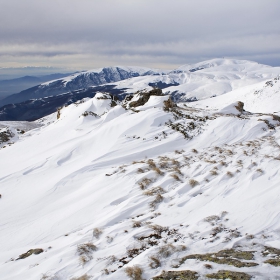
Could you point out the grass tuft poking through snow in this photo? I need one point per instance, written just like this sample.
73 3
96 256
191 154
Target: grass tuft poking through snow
134 272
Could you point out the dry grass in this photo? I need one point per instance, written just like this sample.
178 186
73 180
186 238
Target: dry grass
177 169
84 259
240 162
158 199
223 163
164 158
112 259
154 191
83 277
151 163
166 250
136 224
194 151
179 152
158 229
259 170
96 232
157 170
85 251
168 105
105 271
86 248
210 161
134 272
175 176
109 239
175 162
214 172
140 170
193 183
135 162
155 262
212 219
144 183
164 165
45 276
230 174
229 152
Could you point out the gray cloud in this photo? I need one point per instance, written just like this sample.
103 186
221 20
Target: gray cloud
164 33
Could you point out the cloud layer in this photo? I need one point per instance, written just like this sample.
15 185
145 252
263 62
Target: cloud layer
157 33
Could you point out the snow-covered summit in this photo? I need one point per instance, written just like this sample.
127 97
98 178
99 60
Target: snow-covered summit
222 63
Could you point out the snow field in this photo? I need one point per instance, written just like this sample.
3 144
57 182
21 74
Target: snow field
100 193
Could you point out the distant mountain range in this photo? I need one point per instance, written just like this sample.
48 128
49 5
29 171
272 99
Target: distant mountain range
12 86
77 81
187 83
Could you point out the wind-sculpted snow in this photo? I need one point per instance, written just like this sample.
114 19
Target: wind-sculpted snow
156 187
262 97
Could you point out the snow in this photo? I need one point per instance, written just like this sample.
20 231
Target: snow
262 97
217 77
76 173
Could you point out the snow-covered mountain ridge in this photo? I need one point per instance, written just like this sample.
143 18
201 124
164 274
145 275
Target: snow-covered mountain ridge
81 80
104 190
187 83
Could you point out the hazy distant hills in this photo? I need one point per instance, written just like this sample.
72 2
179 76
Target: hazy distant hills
12 86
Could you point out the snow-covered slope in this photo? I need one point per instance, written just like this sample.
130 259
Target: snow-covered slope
108 192
10 132
262 97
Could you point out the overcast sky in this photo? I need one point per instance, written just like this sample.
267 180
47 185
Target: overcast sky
84 34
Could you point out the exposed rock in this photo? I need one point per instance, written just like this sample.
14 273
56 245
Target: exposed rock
30 252
145 96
